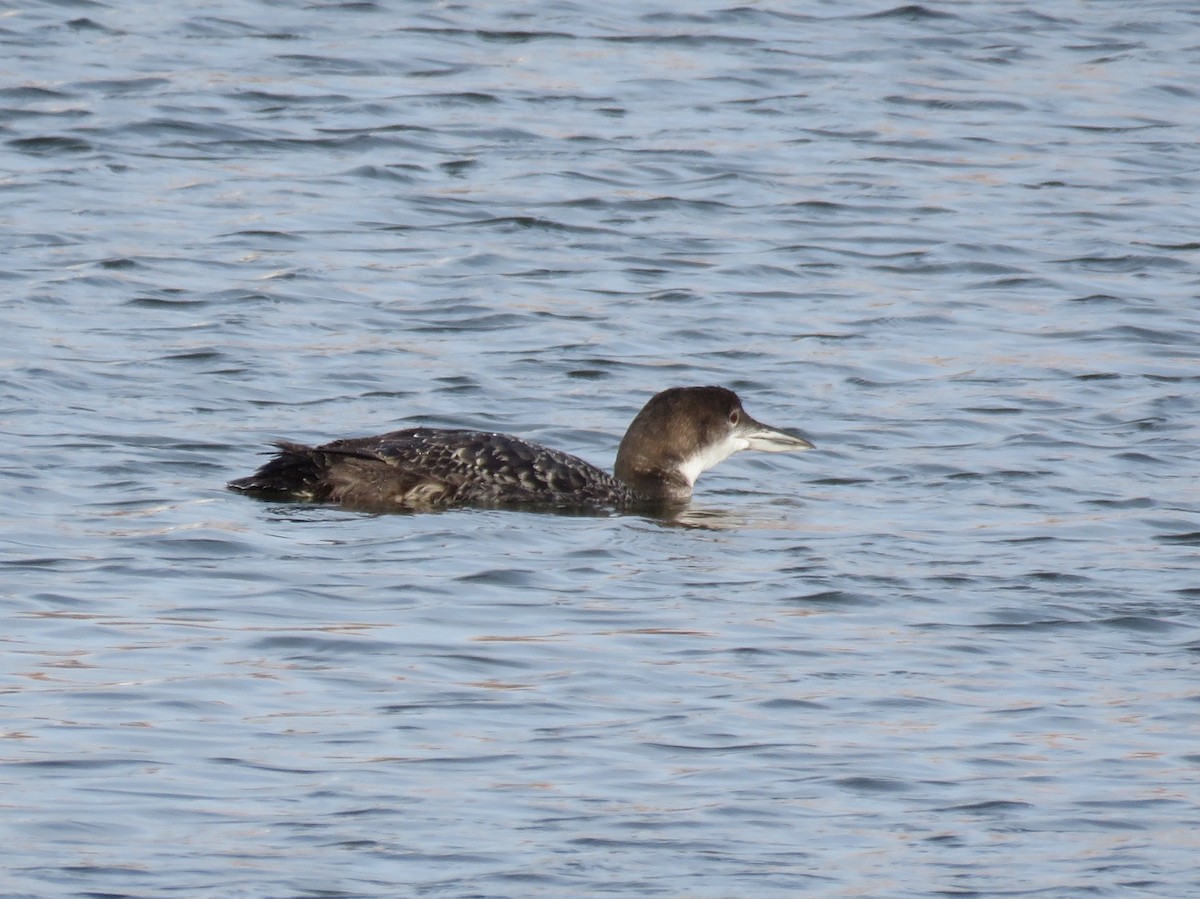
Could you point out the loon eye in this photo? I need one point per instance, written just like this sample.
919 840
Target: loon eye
735 417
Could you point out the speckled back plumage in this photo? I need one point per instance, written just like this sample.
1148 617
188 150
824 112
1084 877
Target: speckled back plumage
424 468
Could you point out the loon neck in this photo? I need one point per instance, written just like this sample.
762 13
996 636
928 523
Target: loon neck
651 481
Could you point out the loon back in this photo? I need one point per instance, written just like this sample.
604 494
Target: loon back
427 468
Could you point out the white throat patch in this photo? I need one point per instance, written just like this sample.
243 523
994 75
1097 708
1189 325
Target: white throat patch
710 456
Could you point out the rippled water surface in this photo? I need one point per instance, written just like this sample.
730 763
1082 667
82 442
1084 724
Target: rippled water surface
954 651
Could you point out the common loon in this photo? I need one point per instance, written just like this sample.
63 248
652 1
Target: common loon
679 433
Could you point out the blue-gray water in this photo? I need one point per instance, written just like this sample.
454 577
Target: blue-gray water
954 651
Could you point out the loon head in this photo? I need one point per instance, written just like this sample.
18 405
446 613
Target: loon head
684 431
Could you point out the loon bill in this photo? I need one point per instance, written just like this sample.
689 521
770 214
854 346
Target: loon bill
679 433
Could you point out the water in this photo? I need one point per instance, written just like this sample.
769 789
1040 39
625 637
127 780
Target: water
954 651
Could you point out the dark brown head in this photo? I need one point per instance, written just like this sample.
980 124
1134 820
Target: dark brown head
684 431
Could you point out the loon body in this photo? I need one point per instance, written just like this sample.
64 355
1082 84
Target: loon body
679 433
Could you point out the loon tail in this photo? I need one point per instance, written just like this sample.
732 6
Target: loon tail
297 472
